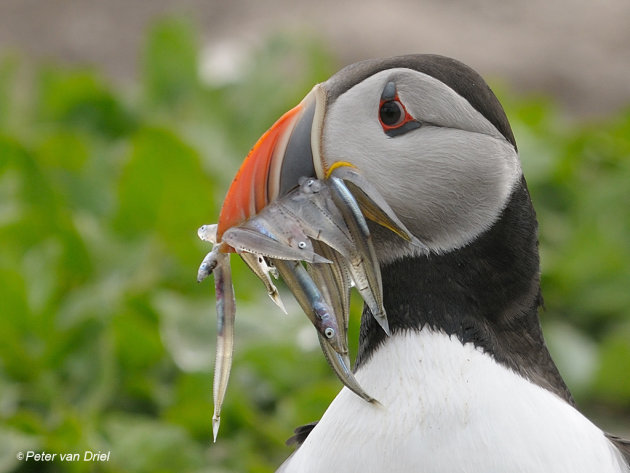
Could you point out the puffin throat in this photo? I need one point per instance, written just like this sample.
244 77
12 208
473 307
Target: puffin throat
486 293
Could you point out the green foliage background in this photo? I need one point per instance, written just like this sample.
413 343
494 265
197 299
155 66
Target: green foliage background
107 341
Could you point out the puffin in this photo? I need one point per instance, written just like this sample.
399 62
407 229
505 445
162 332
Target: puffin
463 377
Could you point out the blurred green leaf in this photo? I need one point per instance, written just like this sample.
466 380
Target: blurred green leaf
170 62
14 326
145 445
164 191
80 99
612 382
64 150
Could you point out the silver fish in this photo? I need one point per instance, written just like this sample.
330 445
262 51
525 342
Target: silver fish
341 366
208 264
373 205
311 205
321 225
208 233
274 223
312 302
226 311
334 282
244 239
331 215
371 286
258 265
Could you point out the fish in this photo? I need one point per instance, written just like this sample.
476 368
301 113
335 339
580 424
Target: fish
208 233
311 205
317 240
245 240
368 281
313 304
226 312
373 205
258 265
340 364
334 282
208 264
321 218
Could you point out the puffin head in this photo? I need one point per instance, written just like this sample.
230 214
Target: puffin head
426 134
425 130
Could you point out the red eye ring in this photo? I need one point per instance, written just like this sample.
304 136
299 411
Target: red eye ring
392 114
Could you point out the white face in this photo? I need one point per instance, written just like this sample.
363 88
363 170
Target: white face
447 180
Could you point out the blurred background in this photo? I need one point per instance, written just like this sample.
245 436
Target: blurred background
121 126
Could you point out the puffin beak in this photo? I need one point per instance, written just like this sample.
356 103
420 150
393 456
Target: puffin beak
284 207
287 151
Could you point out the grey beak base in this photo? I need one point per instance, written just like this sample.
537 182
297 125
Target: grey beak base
298 156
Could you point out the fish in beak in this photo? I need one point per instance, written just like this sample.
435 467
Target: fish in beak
289 213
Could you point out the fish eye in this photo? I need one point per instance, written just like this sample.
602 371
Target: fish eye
391 113
301 245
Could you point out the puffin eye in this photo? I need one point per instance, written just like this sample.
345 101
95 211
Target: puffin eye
394 117
391 113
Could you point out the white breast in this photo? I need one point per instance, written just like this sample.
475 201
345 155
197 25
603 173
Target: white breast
448 407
